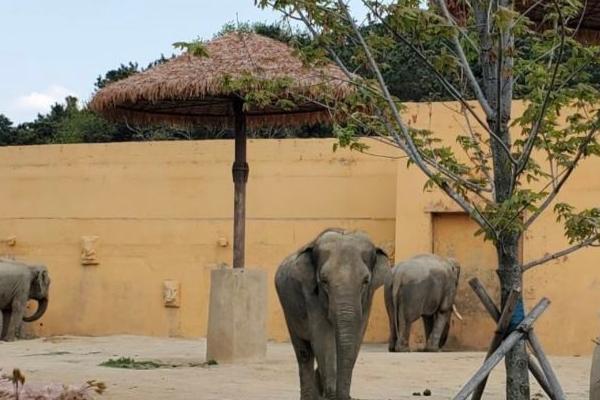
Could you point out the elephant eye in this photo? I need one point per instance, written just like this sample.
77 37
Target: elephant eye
324 282
366 281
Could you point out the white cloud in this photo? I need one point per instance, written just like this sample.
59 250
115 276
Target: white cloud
40 102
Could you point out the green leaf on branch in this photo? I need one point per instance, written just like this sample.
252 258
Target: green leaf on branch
195 48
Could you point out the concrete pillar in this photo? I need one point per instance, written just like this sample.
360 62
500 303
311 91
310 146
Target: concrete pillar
237 316
595 375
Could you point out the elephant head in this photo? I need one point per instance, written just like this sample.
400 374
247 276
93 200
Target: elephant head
343 270
40 285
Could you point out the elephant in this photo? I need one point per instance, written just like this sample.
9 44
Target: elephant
20 282
422 287
326 290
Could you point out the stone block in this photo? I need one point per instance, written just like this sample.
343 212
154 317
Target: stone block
237 318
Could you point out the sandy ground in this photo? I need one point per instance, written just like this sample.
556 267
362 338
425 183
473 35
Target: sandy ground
378 374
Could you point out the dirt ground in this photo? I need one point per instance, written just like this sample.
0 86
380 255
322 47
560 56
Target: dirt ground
378 374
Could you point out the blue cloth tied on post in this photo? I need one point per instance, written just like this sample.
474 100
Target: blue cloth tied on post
518 316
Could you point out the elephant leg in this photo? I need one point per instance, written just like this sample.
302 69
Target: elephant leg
15 318
389 307
306 367
325 352
3 322
428 321
402 345
440 322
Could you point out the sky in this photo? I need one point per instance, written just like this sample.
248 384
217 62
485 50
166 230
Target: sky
53 48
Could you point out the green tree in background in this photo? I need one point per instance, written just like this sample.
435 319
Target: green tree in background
405 76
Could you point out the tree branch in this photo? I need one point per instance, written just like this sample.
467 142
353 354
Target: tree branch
413 152
477 189
465 63
405 142
559 185
529 144
479 151
562 253
455 93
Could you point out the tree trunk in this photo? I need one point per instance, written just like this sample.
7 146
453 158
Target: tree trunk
511 276
496 58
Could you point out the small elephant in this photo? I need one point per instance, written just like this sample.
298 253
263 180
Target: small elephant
326 289
421 287
20 282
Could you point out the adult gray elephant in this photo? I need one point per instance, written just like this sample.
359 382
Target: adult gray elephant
421 287
20 282
326 289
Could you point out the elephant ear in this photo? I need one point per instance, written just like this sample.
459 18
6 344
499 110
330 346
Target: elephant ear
455 268
381 271
41 279
303 268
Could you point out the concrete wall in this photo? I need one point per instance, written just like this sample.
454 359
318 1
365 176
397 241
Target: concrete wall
162 211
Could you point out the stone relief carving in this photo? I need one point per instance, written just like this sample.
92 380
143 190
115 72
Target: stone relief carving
89 255
10 241
171 293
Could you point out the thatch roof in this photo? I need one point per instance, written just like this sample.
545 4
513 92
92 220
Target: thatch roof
197 90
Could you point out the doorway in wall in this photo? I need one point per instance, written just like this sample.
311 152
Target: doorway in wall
453 235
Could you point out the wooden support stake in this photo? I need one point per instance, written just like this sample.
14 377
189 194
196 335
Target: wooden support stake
493 311
536 346
539 376
511 340
501 331
240 172
488 303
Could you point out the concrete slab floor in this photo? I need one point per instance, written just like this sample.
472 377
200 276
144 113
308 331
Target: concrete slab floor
378 375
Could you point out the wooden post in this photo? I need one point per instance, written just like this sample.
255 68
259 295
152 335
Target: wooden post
539 376
491 308
511 340
501 331
488 303
545 364
240 172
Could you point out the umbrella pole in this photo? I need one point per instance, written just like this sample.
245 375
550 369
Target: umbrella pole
240 172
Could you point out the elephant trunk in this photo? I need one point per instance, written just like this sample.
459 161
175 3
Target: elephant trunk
42 306
444 336
348 322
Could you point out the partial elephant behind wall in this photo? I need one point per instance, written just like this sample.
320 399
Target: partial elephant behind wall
421 287
19 283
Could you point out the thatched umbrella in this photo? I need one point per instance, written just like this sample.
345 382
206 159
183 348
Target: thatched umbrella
209 90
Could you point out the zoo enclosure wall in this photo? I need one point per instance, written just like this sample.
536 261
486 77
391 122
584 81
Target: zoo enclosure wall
162 211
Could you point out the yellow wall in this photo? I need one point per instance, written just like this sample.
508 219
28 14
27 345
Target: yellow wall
572 283
161 208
